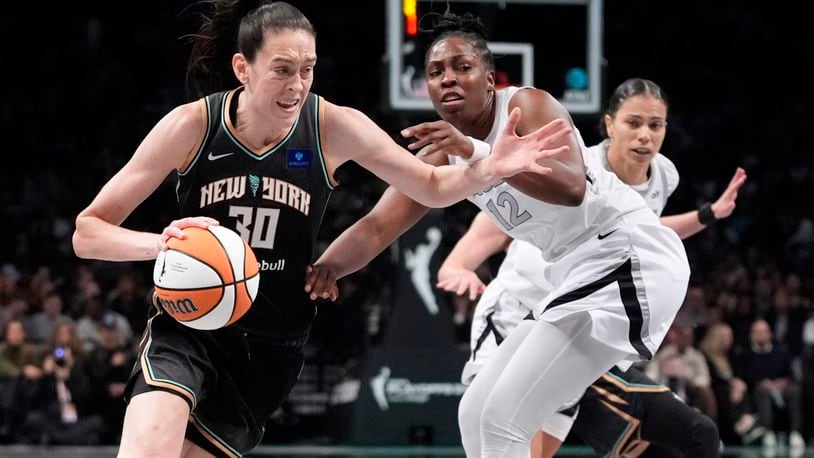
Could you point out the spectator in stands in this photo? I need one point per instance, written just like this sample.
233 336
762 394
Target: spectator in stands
735 422
88 327
129 298
109 368
19 360
766 369
53 409
684 369
9 276
17 355
15 310
786 319
693 312
41 325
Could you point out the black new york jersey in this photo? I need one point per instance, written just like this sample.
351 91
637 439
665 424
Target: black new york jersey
274 198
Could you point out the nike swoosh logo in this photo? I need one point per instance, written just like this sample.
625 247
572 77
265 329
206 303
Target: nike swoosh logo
213 157
602 236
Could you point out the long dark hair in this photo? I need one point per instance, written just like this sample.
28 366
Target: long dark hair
232 26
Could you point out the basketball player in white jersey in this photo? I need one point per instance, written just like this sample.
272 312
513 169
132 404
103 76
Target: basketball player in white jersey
635 125
608 256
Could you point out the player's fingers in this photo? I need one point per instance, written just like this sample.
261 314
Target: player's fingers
417 130
553 127
537 168
195 221
731 191
431 150
547 139
173 231
546 153
309 278
325 283
448 285
512 121
420 143
320 283
474 290
739 174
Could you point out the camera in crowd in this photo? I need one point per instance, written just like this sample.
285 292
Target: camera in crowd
59 357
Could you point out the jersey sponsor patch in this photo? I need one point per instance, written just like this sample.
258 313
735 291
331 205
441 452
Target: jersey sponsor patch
299 158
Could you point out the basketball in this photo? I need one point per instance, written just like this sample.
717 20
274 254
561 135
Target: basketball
207 280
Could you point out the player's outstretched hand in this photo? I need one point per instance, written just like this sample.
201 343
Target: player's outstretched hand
513 154
459 281
725 205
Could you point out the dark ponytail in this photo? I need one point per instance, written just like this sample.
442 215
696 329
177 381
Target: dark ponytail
232 26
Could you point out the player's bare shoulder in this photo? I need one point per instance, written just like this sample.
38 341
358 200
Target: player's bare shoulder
174 139
188 119
531 96
537 104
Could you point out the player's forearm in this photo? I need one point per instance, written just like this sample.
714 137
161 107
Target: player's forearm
470 252
482 240
97 239
355 248
684 224
394 214
450 184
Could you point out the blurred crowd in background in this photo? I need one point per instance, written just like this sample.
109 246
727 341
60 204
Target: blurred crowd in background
87 85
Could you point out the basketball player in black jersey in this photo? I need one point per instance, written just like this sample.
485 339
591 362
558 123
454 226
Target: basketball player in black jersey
257 157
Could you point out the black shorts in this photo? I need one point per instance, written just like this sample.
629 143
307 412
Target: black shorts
233 381
612 410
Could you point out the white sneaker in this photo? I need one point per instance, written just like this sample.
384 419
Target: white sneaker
797 446
770 443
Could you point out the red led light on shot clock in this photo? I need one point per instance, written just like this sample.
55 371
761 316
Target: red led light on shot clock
409 8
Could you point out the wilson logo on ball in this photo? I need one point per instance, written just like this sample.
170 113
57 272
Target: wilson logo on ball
208 279
178 307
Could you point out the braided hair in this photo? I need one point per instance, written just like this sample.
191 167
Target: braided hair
468 27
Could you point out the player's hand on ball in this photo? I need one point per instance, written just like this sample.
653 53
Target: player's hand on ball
176 227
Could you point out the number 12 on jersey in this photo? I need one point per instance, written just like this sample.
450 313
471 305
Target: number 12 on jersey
506 201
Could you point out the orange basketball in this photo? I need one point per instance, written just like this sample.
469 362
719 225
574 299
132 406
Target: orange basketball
207 280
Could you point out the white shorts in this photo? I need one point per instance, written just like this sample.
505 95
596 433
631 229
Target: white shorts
631 283
496 314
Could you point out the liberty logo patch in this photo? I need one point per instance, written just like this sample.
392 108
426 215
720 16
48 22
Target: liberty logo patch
299 158
254 184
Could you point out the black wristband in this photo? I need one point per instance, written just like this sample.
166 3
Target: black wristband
705 214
